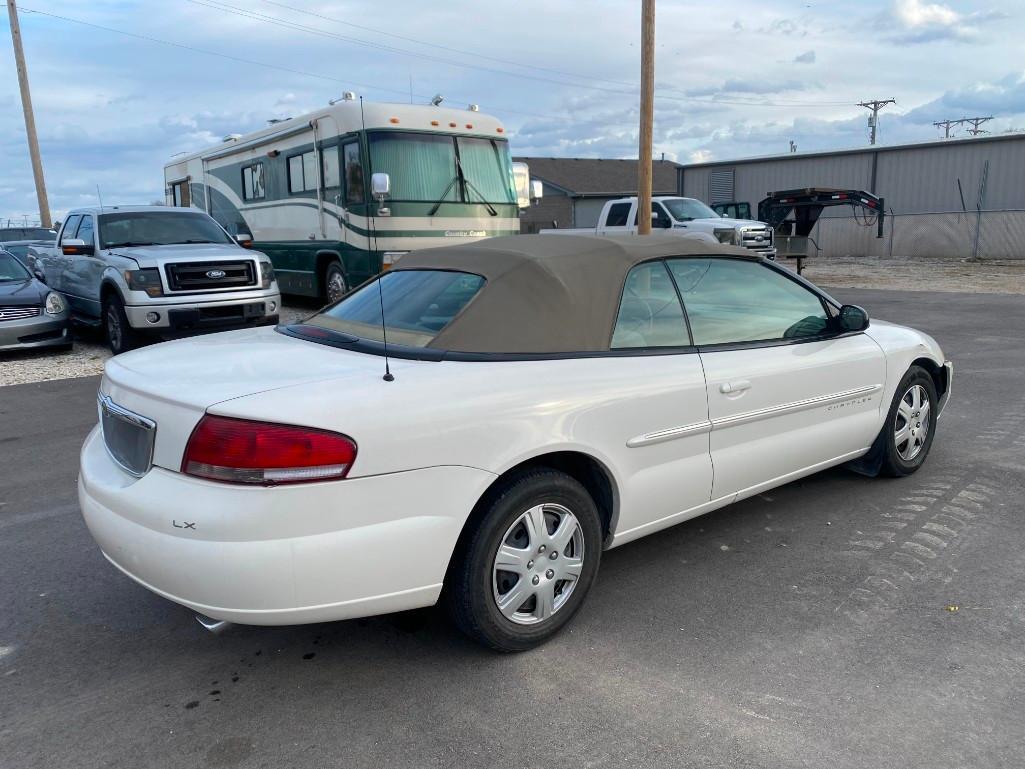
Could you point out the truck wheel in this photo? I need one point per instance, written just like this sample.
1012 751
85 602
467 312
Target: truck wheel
335 286
524 566
121 337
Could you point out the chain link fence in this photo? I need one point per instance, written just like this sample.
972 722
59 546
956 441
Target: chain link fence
994 234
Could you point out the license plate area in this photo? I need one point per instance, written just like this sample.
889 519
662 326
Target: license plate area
127 436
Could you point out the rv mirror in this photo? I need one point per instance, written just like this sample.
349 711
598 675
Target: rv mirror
537 189
380 185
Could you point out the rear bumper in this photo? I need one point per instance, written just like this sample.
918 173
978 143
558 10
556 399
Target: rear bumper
33 333
285 555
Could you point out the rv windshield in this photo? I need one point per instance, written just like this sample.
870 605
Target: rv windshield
423 167
685 209
163 228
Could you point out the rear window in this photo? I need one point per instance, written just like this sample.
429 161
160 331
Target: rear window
418 304
27 233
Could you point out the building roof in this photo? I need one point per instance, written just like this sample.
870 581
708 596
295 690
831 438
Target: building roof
931 144
590 177
547 294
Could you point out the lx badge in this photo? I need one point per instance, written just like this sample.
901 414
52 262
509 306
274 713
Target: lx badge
183 525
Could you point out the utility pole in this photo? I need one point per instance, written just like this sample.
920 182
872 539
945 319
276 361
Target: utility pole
975 123
30 120
946 125
875 106
644 150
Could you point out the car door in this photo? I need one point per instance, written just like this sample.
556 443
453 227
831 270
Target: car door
787 392
664 460
54 263
83 272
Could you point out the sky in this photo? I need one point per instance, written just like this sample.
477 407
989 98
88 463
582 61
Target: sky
733 79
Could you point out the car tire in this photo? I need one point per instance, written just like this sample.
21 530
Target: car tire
910 424
335 285
484 599
121 337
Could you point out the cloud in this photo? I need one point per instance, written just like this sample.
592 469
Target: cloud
917 21
808 57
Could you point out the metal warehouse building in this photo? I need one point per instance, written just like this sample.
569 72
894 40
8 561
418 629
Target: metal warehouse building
953 198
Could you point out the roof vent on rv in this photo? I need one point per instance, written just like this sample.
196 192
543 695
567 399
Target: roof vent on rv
438 99
276 120
473 107
232 138
347 96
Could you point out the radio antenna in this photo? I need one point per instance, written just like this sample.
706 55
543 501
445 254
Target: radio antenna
380 290
98 195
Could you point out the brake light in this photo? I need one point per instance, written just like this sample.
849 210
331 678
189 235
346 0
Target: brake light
242 451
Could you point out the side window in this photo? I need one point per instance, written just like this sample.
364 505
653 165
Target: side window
329 158
650 314
660 219
734 300
302 172
70 226
85 230
253 187
618 214
354 191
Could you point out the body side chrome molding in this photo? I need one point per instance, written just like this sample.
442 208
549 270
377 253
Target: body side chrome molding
672 433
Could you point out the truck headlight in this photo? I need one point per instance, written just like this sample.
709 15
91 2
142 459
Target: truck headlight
266 274
147 280
726 236
54 303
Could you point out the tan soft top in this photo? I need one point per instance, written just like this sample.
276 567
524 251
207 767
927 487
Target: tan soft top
548 293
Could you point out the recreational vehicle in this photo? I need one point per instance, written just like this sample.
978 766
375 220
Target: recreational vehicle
337 195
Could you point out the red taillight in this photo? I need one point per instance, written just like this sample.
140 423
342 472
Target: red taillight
240 451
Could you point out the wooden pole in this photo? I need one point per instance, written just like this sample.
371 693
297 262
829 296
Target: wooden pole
644 151
30 120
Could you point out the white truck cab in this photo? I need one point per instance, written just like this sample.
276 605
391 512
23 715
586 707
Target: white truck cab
156 270
684 216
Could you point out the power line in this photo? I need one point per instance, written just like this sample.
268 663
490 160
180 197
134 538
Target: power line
224 7
242 60
873 122
946 125
975 122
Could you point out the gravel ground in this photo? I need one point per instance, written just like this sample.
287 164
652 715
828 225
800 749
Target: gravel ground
918 274
87 358
906 274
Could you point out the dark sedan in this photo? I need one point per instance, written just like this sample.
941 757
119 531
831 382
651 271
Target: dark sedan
31 315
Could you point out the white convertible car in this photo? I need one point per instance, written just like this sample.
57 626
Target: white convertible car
481 422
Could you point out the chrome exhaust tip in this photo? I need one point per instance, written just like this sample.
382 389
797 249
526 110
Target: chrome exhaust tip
215 626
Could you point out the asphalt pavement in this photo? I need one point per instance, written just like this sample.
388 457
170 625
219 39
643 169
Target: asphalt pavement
838 621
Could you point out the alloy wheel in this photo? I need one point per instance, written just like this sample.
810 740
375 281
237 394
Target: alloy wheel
537 565
113 327
911 424
335 286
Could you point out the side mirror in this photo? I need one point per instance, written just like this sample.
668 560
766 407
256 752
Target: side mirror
380 186
39 275
76 247
244 239
853 318
537 189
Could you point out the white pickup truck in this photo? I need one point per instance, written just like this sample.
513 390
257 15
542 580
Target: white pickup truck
688 217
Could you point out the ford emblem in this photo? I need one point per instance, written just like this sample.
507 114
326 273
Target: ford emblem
215 274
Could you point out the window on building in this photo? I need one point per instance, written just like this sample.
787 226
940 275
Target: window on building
650 314
253 182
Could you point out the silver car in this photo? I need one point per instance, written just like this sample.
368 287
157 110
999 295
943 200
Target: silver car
31 315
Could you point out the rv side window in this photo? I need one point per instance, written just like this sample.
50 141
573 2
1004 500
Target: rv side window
302 173
330 171
354 192
618 214
252 182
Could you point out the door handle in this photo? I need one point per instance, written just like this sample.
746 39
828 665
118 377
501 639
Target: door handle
736 386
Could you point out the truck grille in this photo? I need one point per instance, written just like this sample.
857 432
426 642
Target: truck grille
757 238
209 276
127 436
19 313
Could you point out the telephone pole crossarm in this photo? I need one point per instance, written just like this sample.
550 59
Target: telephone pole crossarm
875 106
